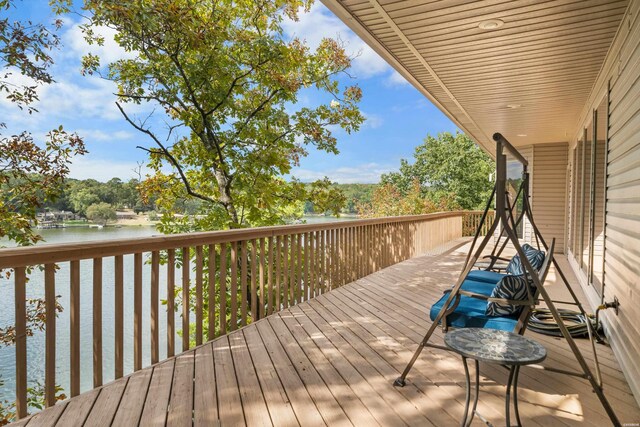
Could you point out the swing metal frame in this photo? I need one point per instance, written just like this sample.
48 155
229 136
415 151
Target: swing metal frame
504 216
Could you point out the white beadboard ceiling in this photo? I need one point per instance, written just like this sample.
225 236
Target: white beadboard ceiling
544 59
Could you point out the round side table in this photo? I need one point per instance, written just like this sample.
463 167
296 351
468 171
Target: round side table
494 346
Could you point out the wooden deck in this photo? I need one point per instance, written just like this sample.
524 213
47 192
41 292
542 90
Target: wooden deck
331 361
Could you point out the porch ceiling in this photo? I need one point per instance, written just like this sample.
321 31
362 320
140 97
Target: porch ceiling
544 59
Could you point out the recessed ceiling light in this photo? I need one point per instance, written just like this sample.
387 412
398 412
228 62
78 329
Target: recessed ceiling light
491 24
522 134
514 106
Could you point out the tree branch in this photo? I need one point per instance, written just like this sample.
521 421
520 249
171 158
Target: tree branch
166 154
260 107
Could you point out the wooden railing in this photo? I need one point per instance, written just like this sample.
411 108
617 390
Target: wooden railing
471 221
230 279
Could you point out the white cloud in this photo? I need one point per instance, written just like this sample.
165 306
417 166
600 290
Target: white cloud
320 23
76 46
372 121
82 97
101 135
104 170
396 79
360 174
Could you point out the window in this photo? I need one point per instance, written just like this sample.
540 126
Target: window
588 176
599 194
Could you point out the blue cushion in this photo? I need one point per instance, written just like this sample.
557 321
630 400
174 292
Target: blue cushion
485 276
471 312
482 288
535 257
510 287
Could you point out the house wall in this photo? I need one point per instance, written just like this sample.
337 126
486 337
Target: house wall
549 191
620 79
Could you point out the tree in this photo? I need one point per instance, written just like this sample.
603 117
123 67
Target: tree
102 213
30 173
449 165
82 197
389 200
228 80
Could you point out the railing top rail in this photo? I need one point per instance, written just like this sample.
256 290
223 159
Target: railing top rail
52 253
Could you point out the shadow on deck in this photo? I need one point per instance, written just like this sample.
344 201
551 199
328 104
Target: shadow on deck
332 360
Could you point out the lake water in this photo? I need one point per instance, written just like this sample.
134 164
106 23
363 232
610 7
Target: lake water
35 289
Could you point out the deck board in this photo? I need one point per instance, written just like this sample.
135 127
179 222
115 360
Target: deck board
181 399
133 399
275 396
331 361
205 404
229 402
154 413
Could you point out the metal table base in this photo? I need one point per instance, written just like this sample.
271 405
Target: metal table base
514 370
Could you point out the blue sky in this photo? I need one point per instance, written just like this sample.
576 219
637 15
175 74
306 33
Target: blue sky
398 116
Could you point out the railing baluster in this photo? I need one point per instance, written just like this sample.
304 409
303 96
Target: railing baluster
211 333
342 240
285 272
311 254
75 328
137 311
322 254
270 277
307 237
186 256
119 315
292 270
171 302
254 282
234 286
329 260
353 265
300 278
50 337
262 281
154 301
97 322
20 281
223 289
199 314
278 250
243 283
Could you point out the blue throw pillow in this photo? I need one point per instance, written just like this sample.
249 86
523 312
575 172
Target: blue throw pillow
535 257
512 288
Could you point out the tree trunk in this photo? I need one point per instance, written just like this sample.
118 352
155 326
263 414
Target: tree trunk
224 186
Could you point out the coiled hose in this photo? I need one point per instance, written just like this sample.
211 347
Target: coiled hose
542 321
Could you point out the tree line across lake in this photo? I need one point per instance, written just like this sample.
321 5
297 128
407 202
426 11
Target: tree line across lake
78 196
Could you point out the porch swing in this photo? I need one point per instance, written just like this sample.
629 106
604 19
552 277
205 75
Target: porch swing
488 298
